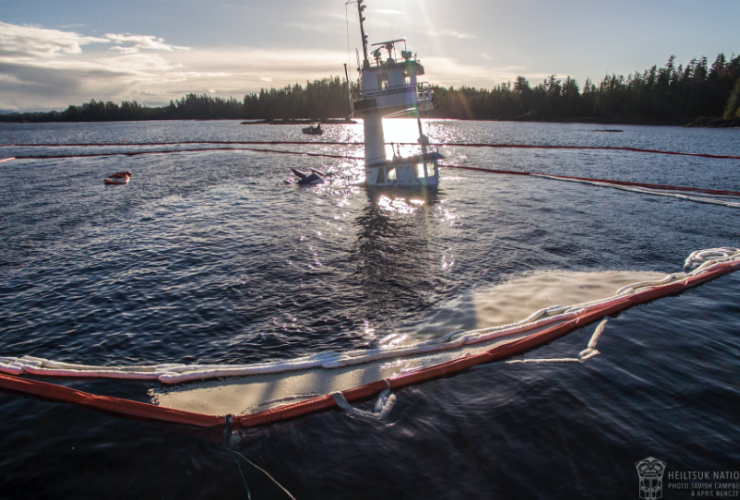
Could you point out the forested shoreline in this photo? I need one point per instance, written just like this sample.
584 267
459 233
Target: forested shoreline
699 93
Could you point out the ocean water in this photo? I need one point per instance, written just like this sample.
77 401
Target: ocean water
211 257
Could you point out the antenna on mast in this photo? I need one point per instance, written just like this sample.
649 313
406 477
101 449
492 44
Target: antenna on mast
360 7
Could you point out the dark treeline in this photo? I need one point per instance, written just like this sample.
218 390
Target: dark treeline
319 99
668 93
325 98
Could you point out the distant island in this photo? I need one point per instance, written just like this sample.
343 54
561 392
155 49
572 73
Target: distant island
697 95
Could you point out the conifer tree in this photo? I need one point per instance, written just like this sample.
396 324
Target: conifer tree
733 103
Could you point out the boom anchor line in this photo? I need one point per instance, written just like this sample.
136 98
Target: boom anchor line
345 143
538 329
637 187
586 354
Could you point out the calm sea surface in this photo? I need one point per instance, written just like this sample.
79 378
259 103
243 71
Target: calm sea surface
210 257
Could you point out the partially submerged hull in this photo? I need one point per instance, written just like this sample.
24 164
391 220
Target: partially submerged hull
389 87
413 172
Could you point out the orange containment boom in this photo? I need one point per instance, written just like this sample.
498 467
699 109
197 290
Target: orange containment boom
496 354
116 406
137 410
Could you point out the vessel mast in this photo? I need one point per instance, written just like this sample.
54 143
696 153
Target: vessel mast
360 8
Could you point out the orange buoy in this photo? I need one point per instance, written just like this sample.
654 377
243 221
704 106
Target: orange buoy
120 175
118 178
116 182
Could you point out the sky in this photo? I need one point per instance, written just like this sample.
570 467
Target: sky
54 53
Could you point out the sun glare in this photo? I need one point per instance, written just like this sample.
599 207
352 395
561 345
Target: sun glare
401 132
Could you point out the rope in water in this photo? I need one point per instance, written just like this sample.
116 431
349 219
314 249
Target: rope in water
634 187
621 186
177 373
169 151
593 148
717 192
249 494
604 182
383 405
585 180
586 354
341 143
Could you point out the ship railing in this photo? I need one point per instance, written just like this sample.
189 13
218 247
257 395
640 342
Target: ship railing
380 63
423 92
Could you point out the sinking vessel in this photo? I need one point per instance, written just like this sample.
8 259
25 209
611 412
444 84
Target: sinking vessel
390 87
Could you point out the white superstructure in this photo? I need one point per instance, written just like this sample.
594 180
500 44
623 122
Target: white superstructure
390 86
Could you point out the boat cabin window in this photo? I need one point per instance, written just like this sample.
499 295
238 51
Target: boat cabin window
382 81
406 77
419 171
391 174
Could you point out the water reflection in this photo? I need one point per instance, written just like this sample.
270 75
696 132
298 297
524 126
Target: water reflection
396 260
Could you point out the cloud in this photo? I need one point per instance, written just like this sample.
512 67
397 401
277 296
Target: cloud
44 68
48 69
446 72
307 27
134 43
9 78
36 42
32 41
202 74
39 87
457 34
389 11
139 64
318 27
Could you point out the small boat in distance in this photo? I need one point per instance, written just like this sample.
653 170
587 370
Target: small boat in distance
313 130
390 87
